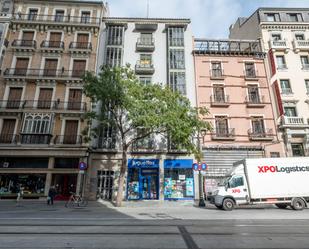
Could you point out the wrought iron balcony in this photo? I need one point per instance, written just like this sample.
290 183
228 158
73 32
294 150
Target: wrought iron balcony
68 140
144 67
253 100
80 47
35 138
143 145
224 134
12 104
220 100
216 74
59 19
70 106
145 45
107 143
9 139
52 46
262 134
300 45
24 44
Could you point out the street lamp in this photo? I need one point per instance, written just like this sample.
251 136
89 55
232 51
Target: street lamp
201 202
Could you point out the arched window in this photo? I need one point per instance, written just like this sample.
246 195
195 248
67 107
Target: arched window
37 123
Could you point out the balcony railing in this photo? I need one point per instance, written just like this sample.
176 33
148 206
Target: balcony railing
107 143
143 67
143 145
222 134
80 46
220 100
145 44
65 19
69 139
216 74
286 91
38 104
43 73
278 44
255 100
52 45
24 44
8 138
262 134
35 138
11 104
301 45
293 121
70 105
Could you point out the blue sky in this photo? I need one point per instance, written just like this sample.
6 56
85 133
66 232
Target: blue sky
210 18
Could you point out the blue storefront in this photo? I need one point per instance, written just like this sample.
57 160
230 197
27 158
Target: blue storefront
143 179
178 179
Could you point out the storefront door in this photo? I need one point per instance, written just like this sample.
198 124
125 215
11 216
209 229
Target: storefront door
149 185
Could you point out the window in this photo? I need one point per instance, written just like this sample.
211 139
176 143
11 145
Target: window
219 96
107 136
258 125
250 70
146 39
307 85
178 82
281 62
115 35
145 80
285 87
176 36
290 111
270 17
66 163
6 6
216 69
304 62
295 17
300 37
253 94
221 123
276 37
37 124
32 15
145 60
79 68
177 59
85 17
113 57
59 16
146 140
274 154
297 150
236 181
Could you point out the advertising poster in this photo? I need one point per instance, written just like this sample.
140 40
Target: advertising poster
168 187
189 187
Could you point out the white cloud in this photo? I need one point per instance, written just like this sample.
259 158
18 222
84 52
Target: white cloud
210 18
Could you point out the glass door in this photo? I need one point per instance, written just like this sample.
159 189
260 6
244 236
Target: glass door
149 186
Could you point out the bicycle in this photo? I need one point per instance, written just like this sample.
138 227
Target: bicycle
76 201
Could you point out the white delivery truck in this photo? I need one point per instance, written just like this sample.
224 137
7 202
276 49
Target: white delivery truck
280 181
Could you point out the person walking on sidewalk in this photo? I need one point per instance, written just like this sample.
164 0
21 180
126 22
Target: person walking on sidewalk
51 195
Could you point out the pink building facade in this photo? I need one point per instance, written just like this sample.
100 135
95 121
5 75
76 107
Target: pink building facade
231 81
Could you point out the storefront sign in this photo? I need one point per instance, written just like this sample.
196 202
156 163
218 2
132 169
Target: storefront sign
178 163
143 163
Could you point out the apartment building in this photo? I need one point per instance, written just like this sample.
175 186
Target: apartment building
231 82
6 10
42 126
160 51
284 37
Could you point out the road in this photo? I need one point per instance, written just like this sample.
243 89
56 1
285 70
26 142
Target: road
173 225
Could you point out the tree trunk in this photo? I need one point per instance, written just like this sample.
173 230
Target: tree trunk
122 175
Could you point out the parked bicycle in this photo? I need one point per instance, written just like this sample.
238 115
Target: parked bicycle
76 201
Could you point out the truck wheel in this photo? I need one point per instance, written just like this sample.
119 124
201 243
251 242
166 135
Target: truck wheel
298 204
228 204
281 205
219 206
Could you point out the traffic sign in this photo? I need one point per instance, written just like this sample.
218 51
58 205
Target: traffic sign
195 166
199 167
82 166
203 166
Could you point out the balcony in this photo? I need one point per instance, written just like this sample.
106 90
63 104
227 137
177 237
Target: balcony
216 74
293 122
52 46
56 19
80 47
263 135
143 67
107 143
68 140
43 74
35 138
224 134
300 45
286 91
6 139
70 106
251 74
145 45
24 45
13 105
218 100
144 145
279 45
255 101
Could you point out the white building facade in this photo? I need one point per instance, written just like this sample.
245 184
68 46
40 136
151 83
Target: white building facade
160 51
284 35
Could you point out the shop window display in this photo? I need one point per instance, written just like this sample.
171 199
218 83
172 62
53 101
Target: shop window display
178 183
30 184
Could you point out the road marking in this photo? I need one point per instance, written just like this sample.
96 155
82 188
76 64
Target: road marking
187 238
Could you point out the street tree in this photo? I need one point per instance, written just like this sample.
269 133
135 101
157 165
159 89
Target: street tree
127 105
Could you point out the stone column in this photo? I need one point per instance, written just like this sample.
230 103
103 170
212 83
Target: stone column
51 163
161 178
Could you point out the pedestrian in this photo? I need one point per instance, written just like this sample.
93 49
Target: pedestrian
20 192
51 195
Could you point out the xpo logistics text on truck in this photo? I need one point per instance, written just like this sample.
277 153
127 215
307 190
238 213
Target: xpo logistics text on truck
280 181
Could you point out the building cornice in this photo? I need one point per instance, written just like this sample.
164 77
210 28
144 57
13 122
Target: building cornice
146 20
265 25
